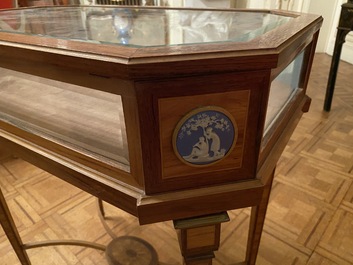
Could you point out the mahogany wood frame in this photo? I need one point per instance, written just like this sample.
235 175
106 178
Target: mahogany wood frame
129 71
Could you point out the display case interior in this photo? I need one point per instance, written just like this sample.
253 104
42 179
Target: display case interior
143 27
283 88
86 120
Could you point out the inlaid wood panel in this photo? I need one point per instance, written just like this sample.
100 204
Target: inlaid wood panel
309 220
240 94
172 110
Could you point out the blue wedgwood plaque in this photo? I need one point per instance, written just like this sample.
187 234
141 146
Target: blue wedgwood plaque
205 136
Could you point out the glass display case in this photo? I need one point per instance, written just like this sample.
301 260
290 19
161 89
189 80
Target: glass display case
164 112
91 121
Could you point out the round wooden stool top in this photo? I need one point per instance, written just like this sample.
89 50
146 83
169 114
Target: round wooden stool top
129 250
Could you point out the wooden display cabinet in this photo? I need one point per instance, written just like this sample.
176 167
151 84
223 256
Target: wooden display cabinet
165 113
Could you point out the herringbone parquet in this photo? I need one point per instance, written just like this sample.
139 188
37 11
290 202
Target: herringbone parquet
309 220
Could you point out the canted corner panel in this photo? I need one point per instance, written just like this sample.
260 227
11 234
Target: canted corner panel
203 133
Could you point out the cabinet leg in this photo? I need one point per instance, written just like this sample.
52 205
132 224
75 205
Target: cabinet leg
199 237
11 232
257 219
340 39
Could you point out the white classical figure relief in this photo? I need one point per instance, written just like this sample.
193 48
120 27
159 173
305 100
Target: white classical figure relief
216 142
199 150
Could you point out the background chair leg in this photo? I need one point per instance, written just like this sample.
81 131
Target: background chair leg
340 39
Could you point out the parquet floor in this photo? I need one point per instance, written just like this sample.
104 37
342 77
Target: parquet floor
309 220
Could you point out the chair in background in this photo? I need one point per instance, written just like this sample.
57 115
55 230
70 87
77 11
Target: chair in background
119 2
345 26
25 3
4 4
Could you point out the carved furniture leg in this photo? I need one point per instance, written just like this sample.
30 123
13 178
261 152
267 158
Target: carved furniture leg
199 237
345 25
257 219
11 232
340 39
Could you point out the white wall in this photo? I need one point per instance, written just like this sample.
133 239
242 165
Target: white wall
327 10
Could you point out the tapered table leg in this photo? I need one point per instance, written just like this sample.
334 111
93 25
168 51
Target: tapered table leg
340 39
199 237
257 219
345 25
11 232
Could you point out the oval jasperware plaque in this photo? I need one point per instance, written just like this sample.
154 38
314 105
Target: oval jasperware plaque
205 136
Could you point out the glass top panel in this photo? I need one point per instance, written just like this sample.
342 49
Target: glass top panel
139 27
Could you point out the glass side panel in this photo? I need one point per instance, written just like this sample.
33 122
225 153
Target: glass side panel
282 88
140 27
86 120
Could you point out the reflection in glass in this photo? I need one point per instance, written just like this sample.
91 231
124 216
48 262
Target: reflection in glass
86 120
140 26
283 87
122 22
